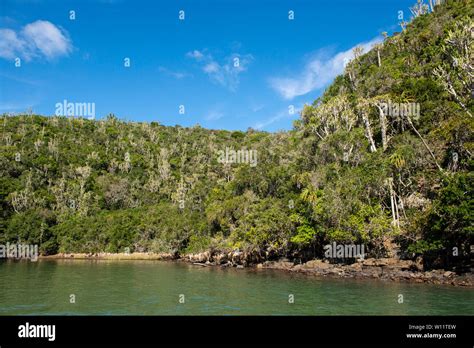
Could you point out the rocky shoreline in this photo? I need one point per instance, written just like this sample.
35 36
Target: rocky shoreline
384 269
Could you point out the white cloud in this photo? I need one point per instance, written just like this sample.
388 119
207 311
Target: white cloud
265 123
36 40
176 74
26 81
15 107
214 115
47 38
195 54
280 115
317 73
225 73
212 67
257 107
10 43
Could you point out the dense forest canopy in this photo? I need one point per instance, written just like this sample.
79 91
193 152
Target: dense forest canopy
383 158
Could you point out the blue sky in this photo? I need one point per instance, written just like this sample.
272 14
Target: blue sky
232 64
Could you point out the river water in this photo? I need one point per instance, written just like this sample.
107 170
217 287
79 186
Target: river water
101 287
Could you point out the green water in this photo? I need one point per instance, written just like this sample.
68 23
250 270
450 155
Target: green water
153 288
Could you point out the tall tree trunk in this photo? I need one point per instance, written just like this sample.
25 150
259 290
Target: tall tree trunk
368 131
424 143
397 213
393 202
452 91
431 5
383 126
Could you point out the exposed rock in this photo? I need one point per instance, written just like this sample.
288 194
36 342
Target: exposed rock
356 266
317 264
419 263
369 262
385 268
228 264
285 264
236 257
375 262
297 267
221 258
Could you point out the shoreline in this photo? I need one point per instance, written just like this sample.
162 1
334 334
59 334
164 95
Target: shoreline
110 256
383 269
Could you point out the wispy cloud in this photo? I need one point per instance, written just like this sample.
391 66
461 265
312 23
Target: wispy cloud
16 107
195 54
257 107
317 73
176 74
214 115
280 115
225 73
26 81
40 39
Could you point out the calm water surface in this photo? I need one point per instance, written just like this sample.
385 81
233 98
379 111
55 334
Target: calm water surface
153 288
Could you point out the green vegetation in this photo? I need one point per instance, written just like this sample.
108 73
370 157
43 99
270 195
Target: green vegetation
349 171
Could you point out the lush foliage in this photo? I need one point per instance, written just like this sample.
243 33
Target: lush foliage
347 172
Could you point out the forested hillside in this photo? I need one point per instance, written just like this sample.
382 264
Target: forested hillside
383 158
